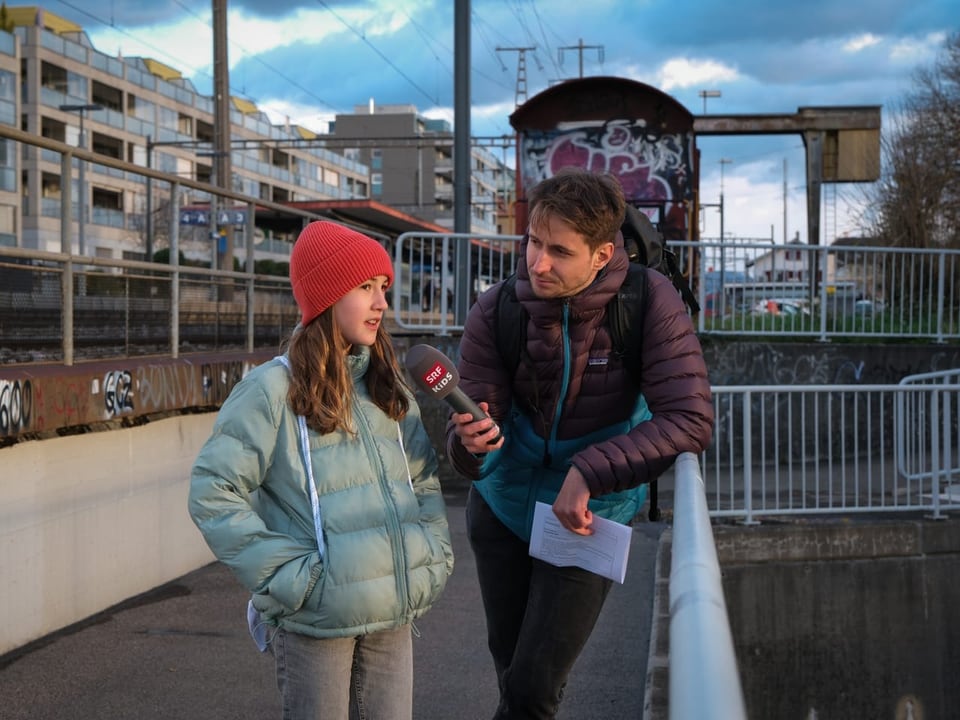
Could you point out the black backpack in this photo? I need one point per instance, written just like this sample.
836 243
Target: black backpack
645 247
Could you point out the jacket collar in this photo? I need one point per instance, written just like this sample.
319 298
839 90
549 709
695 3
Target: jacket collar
358 360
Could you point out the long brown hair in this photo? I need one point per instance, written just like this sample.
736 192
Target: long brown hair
321 388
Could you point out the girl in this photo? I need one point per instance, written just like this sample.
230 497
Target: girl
318 487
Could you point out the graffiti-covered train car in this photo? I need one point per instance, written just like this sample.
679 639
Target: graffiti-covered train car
626 128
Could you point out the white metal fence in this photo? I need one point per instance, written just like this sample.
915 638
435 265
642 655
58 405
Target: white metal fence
927 449
834 449
781 450
760 289
438 276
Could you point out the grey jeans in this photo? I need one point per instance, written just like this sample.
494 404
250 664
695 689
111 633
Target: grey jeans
368 677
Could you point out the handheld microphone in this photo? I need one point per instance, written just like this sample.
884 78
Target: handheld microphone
436 375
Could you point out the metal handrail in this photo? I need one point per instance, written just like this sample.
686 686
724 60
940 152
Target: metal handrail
701 644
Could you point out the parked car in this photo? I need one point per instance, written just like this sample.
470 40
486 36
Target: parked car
866 308
780 306
712 288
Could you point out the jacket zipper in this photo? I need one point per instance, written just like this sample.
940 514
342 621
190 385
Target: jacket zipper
393 519
564 385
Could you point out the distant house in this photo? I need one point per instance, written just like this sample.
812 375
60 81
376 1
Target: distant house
860 260
789 263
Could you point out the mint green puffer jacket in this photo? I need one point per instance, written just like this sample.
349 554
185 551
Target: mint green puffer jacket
388 552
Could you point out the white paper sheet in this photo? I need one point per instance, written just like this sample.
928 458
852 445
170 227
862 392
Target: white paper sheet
605 552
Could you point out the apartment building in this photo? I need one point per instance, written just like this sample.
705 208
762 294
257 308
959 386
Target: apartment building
9 114
144 112
411 166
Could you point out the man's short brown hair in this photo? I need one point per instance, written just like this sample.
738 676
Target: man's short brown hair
591 203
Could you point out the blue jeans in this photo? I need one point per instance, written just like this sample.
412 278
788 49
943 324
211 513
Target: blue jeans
368 677
539 616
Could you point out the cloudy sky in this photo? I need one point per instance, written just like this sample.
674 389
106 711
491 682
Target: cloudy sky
309 60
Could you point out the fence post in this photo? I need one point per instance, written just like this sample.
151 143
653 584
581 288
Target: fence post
174 261
823 266
936 466
445 271
250 265
747 459
941 296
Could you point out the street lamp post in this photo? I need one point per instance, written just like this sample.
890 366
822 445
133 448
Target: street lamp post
148 214
723 293
81 109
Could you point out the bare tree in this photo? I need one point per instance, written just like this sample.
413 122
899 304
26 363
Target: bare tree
916 202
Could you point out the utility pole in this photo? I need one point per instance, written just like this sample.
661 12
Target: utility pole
521 93
784 201
580 47
461 151
708 94
221 128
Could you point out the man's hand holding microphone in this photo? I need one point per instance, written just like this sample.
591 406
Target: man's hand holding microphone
435 375
478 436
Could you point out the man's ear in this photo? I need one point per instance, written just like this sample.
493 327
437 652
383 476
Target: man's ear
602 255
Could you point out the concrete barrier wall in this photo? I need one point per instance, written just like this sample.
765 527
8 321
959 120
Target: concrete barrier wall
87 521
845 619
747 362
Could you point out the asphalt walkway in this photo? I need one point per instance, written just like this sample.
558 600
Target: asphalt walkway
182 651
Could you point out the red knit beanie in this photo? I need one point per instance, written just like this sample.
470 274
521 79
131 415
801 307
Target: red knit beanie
330 260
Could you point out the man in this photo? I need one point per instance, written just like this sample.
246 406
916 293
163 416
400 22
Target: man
578 431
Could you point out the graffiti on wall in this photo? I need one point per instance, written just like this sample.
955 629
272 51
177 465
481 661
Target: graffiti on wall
653 168
165 386
218 379
117 393
16 406
56 402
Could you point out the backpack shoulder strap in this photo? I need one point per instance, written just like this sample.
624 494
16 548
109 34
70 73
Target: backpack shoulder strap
510 335
509 323
671 268
625 316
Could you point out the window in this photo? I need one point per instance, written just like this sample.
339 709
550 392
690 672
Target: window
8 225
167 118
140 108
8 86
8 164
136 154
